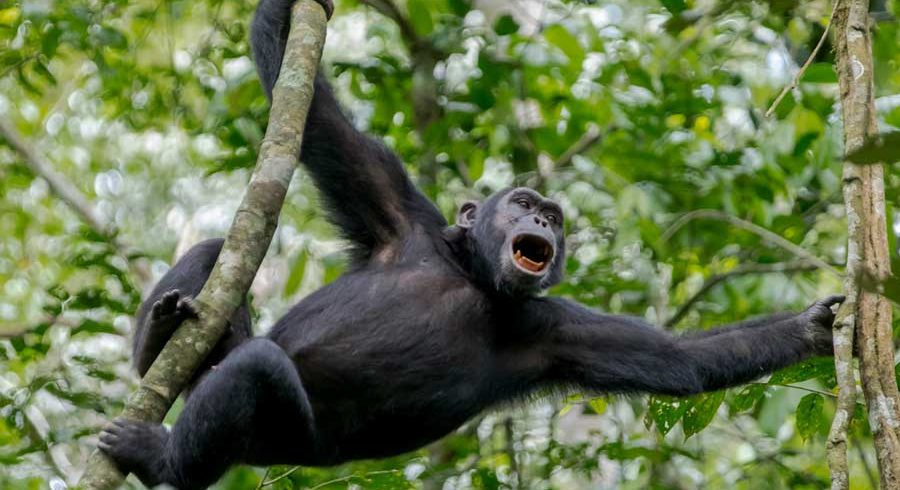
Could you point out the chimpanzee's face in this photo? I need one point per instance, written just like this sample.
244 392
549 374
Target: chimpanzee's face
518 237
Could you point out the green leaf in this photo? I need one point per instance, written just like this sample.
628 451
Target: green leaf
820 73
809 416
506 25
883 148
701 412
674 6
817 367
93 327
747 398
296 276
476 169
665 411
598 405
560 37
420 16
459 7
108 36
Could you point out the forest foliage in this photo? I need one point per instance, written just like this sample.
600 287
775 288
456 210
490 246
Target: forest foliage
686 205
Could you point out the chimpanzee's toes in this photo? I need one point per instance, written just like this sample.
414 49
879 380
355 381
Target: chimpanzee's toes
137 447
185 308
172 305
166 305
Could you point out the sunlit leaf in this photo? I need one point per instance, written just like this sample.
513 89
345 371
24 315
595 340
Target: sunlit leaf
420 16
701 411
665 412
560 37
809 417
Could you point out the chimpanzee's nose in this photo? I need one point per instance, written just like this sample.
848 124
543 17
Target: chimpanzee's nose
539 221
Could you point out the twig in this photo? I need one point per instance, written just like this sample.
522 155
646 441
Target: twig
592 136
812 56
802 388
350 477
263 479
745 225
388 9
870 475
264 482
741 270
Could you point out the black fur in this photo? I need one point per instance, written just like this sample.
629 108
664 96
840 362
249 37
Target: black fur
432 325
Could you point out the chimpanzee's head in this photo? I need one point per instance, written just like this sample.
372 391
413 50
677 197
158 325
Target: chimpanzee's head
515 238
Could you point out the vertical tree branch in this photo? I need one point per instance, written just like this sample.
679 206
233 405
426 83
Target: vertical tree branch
865 312
247 240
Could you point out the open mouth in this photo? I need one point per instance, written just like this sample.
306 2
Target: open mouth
532 253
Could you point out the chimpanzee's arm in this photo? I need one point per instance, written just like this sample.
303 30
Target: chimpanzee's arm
622 354
364 185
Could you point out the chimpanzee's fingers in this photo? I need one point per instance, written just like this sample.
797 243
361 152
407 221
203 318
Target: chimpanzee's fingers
832 300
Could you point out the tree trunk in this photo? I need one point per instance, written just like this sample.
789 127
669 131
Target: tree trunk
865 312
247 240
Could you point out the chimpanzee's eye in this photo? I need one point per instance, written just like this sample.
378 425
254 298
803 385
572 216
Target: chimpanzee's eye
553 219
524 203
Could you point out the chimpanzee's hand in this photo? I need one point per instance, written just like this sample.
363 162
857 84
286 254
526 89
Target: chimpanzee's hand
817 322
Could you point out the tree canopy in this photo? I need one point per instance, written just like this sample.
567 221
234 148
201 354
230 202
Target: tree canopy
128 132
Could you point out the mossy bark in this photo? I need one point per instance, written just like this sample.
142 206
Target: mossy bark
865 313
247 240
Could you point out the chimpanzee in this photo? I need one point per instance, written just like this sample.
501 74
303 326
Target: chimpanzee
431 324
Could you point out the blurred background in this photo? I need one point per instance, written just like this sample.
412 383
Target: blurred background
129 130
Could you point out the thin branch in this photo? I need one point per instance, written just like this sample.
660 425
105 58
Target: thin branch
745 225
57 182
265 483
246 243
870 475
350 477
388 9
591 137
741 270
801 388
812 56
263 479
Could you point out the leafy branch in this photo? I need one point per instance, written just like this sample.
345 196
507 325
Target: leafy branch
741 270
757 230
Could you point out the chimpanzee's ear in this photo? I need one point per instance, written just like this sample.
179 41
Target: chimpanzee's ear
465 218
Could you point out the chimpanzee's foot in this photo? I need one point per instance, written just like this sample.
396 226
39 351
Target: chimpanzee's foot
139 448
173 307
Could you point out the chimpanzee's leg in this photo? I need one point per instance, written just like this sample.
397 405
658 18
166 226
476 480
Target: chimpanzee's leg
251 409
168 305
